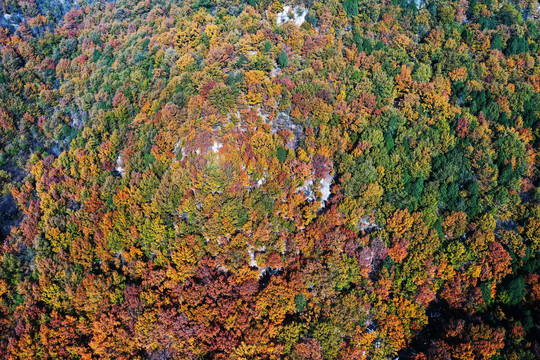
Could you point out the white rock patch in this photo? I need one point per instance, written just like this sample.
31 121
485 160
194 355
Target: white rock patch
307 189
252 261
119 166
325 188
299 15
216 147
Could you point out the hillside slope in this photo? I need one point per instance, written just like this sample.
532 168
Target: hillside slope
257 180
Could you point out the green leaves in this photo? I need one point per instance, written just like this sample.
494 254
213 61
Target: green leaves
283 59
301 302
281 154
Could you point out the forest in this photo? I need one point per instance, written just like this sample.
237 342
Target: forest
268 179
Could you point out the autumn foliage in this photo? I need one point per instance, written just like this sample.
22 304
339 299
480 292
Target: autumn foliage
264 180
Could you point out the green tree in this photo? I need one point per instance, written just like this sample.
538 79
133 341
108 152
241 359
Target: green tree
283 59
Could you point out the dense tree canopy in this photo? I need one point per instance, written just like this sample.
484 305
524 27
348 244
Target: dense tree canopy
261 179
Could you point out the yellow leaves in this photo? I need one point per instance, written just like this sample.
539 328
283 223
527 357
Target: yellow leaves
445 271
451 44
145 321
262 143
184 61
277 6
447 141
400 222
322 111
137 76
532 232
353 211
372 194
341 96
302 155
180 274
487 223
37 169
409 106
211 30
185 255
244 274
296 40
421 165
250 42
458 74
57 239
253 98
534 80
475 85
437 101
187 37
3 288
274 90
227 226
290 335
404 81
245 352
474 271
402 41
309 212
276 301
50 293
363 340
254 76
325 151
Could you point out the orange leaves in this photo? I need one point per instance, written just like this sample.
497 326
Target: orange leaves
188 36
57 238
254 97
459 74
393 329
262 143
184 61
400 222
455 224
372 194
6 120
200 229
93 203
497 264
262 234
398 252
276 300
122 196
404 81
532 232
254 76
466 341
253 81
535 81
111 339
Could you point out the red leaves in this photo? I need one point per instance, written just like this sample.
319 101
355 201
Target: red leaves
462 127
497 264
398 252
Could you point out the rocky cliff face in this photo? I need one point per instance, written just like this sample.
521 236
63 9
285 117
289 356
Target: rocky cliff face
15 13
